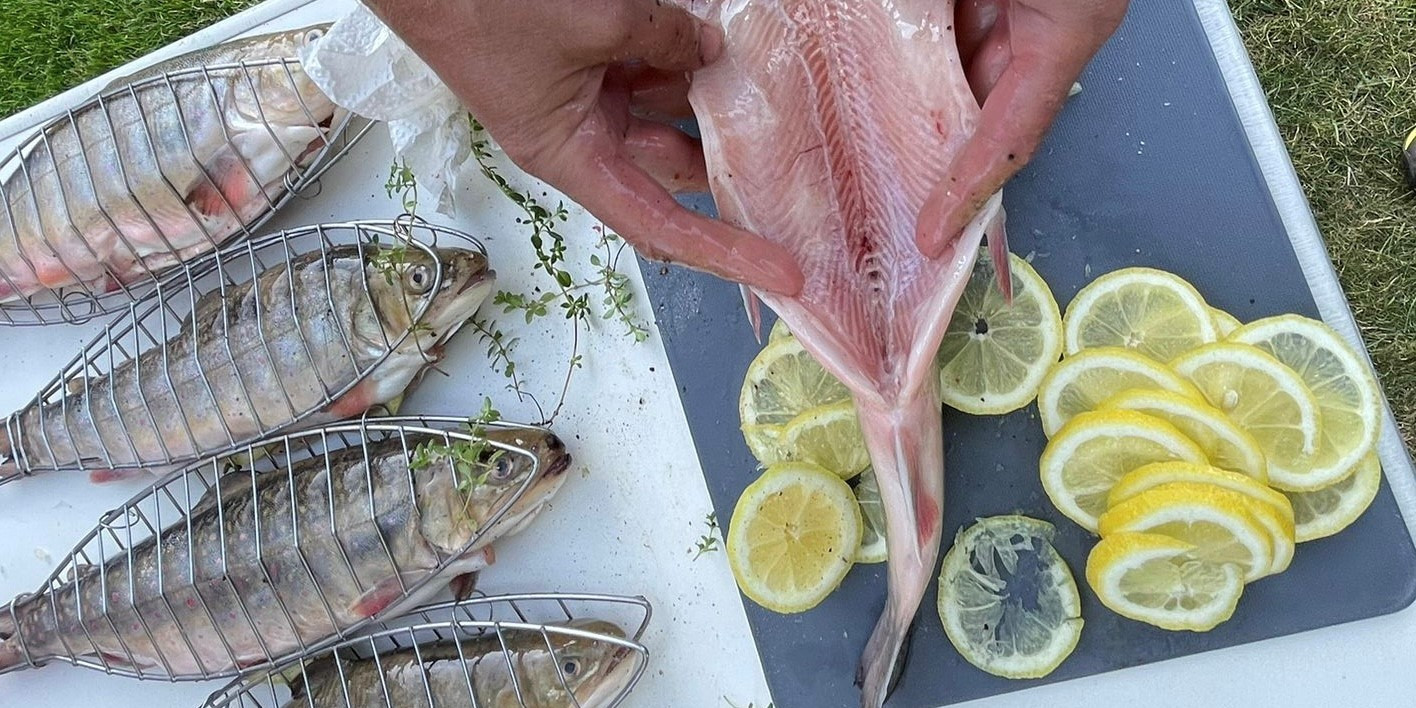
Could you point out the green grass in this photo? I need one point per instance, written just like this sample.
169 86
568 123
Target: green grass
1341 77
1340 74
47 46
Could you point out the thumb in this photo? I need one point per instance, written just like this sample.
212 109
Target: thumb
661 35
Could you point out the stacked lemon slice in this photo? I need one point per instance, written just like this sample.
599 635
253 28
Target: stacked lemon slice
1200 449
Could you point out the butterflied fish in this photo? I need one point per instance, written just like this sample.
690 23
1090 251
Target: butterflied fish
258 357
551 670
285 559
826 124
157 171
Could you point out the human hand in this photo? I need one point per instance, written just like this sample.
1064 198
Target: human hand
564 87
1021 58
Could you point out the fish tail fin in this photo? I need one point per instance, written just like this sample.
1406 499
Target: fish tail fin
998 252
906 445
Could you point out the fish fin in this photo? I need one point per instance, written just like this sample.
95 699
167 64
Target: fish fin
109 476
355 402
9 470
228 185
754 311
11 656
464 585
378 598
998 253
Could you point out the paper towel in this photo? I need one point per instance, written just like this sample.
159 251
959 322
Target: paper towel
364 67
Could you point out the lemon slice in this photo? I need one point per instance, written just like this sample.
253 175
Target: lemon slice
1080 383
1086 458
1157 580
872 512
1264 397
828 436
1271 509
793 536
782 382
1143 309
1007 599
1217 522
779 331
1342 383
994 355
1225 444
1324 512
1224 323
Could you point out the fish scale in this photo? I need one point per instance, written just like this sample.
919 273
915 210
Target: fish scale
332 527
330 325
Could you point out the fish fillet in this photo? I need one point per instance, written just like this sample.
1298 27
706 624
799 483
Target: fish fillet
826 123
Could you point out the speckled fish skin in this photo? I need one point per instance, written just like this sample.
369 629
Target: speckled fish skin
122 189
594 673
244 362
216 587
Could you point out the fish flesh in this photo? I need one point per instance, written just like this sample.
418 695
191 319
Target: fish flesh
553 670
267 564
160 169
826 124
258 357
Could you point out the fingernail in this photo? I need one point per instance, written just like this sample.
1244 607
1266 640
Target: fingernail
710 43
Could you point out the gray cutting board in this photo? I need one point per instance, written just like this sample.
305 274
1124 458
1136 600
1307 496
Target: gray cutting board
1149 165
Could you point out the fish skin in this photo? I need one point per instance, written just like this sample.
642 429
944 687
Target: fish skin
240 362
826 124
139 197
196 622
601 672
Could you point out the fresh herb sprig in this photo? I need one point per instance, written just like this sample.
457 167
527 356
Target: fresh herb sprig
708 543
471 461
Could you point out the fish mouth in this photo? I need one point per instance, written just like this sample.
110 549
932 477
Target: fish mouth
558 466
487 275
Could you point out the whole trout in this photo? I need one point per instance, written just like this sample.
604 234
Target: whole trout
276 565
551 671
157 172
256 358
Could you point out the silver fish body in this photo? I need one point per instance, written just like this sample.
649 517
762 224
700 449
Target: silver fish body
267 564
258 357
160 167
519 668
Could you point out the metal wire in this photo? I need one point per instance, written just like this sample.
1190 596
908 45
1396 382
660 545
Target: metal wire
464 626
246 562
196 368
117 189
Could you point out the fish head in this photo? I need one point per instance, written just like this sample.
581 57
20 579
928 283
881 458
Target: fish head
591 669
516 475
280 91
431 294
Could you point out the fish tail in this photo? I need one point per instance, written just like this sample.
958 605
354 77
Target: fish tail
753 305
906 445
997 232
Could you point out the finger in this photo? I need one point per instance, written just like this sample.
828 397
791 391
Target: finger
653 93
973 22
1016 116
673 158
989 60
636 207
660 34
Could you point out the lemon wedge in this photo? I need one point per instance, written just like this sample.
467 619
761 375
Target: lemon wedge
1081 382
1007 599
793 537
1081 464
1156 579
1145 310
994 355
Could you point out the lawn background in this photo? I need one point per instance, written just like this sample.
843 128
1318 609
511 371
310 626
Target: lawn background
1340 75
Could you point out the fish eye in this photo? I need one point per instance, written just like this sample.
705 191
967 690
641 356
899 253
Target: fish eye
571 667
313 36
420 279
504 470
